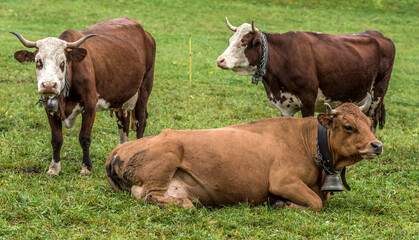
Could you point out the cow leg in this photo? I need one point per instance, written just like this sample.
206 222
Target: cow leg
294 190
167 201
377 111
88 118
152 173
56 142
161 201
141 113
308 106
122 120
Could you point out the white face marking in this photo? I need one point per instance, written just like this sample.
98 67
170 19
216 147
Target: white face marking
54 168
289 107
234 57
70 120
48 60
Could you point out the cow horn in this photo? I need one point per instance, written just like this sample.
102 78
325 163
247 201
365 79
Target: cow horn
329 109
25 42
77 43
232 28
253 27
366 103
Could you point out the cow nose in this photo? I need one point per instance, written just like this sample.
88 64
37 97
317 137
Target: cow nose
378 147
49 85
220 62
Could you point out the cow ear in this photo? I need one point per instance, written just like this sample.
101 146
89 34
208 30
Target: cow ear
257 40
326 120
25 56
77 54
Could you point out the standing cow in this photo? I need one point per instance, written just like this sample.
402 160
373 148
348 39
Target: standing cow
275 160
304 70
113 71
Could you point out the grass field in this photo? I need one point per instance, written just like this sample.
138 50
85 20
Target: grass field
382 205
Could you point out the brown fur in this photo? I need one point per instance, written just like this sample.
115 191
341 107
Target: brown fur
114 65
270 160
343 66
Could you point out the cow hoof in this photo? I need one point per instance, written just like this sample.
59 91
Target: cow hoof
84 171
54 168
186 203
280 204
197 204
52 173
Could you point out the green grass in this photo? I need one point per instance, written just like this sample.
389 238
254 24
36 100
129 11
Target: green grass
382 205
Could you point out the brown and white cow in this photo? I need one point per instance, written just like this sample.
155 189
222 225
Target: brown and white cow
113 71
304 70
270 160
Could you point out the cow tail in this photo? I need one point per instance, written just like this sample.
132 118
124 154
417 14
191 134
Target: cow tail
133 126
382 117
111 175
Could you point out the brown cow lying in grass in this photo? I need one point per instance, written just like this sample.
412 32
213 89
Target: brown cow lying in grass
270 160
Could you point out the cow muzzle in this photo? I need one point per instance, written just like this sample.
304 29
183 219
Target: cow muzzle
221 63
49 88
375 150
377 147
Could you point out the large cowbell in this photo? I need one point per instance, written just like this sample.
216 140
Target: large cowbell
52 104
332 184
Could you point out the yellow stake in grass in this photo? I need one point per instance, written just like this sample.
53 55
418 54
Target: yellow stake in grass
190 58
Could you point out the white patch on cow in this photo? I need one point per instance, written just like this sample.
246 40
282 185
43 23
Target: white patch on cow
51 55
234 57
136 122
54 168
374 105
84 171
321 99
70 120
123 136
176 190
289 107
102 105
137 191
130 104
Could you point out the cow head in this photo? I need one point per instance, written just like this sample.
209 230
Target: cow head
349 134
51 57
245 43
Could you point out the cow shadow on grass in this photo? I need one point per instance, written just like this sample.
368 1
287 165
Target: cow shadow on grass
355 205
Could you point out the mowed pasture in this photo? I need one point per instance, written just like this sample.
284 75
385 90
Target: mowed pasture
383 203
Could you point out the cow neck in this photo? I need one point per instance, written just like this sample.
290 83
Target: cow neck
66 90
323 158
261 70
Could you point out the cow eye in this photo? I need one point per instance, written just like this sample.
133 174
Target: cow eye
349 128
39 64
62 65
